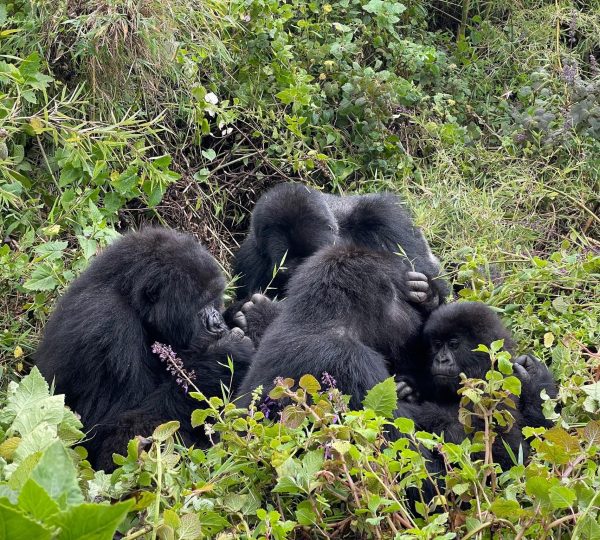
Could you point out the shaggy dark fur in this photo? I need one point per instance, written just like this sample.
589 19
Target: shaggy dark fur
154 285
451 333
348 313
294 221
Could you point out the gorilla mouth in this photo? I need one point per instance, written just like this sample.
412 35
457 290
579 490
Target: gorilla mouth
446 375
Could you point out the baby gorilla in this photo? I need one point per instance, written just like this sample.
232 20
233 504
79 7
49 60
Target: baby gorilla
292 221
451 333
154 285
348 313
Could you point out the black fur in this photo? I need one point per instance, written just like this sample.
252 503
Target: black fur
298 220
154 285
451 333
347 313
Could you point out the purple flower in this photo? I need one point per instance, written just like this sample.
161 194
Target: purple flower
594 68
572 28
267 406
174 365
328 452
569 72
328 380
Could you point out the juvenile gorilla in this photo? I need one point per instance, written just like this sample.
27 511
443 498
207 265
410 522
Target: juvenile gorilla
154 285
451 333
294 221
348 313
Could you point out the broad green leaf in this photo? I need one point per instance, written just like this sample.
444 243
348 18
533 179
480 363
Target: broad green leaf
189 527
164 431
91 521
56 474
504 508
561 497
309 383
305 514
34 500
211 522
292 416
404 425
16 526
513 385
382 398
42 279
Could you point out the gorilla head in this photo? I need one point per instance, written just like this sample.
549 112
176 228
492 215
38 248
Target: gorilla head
451 333
172 283
289 222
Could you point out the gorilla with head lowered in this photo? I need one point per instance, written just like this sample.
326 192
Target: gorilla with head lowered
292 221
451 334
151 286
350 312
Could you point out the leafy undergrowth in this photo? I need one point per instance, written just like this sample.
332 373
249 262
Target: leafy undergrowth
484 116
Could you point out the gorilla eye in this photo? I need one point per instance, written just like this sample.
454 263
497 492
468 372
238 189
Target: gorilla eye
437 343
453 343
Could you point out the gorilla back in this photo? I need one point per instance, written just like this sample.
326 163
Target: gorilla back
154 285
348 314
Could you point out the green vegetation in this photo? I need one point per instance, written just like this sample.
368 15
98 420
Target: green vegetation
483 115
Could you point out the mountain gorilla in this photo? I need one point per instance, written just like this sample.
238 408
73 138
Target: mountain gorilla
292 221
349 312
154 285
451 333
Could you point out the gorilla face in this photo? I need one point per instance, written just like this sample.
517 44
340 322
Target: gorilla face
451 333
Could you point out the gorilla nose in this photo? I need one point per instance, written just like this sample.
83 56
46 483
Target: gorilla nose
444 359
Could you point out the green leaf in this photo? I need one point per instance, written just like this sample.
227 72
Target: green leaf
42 279
309 383
513 385
382 398
91 521
34 500
504 508
404 425
561 497
189 527
164 431
199 416
51 250
292 416
305 514
211 522
57 475
16 526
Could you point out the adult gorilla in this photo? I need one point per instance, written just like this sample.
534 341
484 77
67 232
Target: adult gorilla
349 312
154 285
293 221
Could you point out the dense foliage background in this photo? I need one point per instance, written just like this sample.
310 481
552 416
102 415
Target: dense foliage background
483 115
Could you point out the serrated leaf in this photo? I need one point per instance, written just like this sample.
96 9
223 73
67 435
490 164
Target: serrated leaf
91 521
404 425
17 526
189 527
34 500
305 514
309 383
504 508
561 497
42 279
199 416
513 385
166 430
382 398
292 417
548 339
56 474
591 432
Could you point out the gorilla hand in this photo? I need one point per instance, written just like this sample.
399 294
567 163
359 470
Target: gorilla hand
420 291
256 315
528 368
406 392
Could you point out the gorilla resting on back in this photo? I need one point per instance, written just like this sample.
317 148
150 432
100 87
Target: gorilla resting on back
451 333
155 285
294 221
348 313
